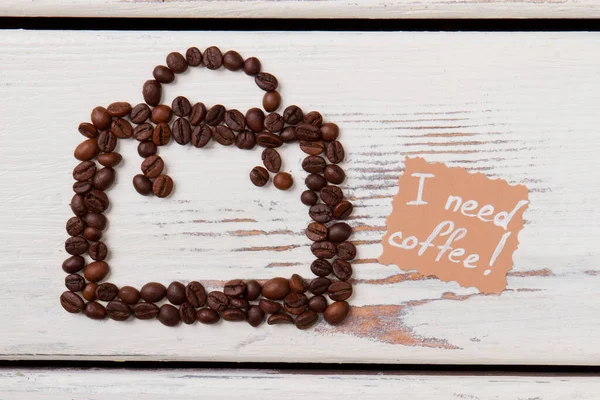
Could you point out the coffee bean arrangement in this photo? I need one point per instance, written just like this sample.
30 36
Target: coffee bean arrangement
279 300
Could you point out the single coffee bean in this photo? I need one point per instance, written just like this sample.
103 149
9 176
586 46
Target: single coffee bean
255 119
92 234
288 134
276 288
73 264
274 122
110 159
312 148
76 245
236 302
277 319
308 133
235 120
293 115
75 282
168 315
223 135
71 302
268 139
143 132
283 180
153 166
271 160
329 131
217 300
145 310
253 290
119 109
161 113
161 135
319 286
212 58
182 131
176 62
106 291
95 220
88 130
89 292
339 232
163 74
339 291
317 304
208 316
298 284
118 311
269 306
246 140
121 128
193 56
142 184
271 101
334 174
75 226
342 210
336 312
335 152
96 271
235 288
129 295
140 113
233 61
83 187
198 114
295 310
201 135
181 106
176 293
255 316
162 186
323 249
314 164
187 313
87 150
195 294
84 170
321 267
314 118
306 320
315 182
321 213
107 141
316 232
78 205
153 292
215 115
233 314
332 195
266 81
342 269
309 198
295 300
146 149
252 66
101 118
104 178
96 201
94 310
152 92
259 176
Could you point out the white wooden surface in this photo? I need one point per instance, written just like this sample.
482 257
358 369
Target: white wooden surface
303 9
94 384
523 107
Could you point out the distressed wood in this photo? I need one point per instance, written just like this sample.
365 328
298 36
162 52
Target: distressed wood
522 107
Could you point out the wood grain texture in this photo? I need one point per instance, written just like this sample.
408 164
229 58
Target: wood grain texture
304 9
522 107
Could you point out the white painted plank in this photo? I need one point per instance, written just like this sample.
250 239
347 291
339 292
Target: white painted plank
522 107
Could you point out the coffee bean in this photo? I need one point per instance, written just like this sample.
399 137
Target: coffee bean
283 181
212 58
163 74
94 310
75 282
252 66
315 182
140 113
306 320
145 311
75 226
334 152
319 285
269 306
295 300
95 220
201 135
334 174
182 131
312 148
161 113
342 210
314 118
321 213
259 176
83 187
295 310
268 139
293 115
88 130
106 291
107 141
336 312
96 271
236 302
255 119
339 291
161 135
129 295
246 140
92 234
316 232
271 160
217 300
118 311
84 170
142 184
162 186
104 178
317 304
223 135
143 132
308 133
235 288
176 293
121 128
96 201
110 159
98 251
309 198
342 269
288 134
71 302
233 314
255 316
313 164
119 109
153 292
176 62
277 319
215 115
298 284
329 131
321 267
76 245
193 56
78 205
323 249
198 114
208 316
274 122
187 313
266 81
195 294
332 195
168 315
146 149
152 92
235 120
73 264
271 101
87 150
233 61
181 106
253 290
339 232
276 288
89 292
153 166
101 118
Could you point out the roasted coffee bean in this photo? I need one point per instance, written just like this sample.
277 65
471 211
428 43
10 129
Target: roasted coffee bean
332 195
146 149
118 311
312 148
319 285
334 152
71 302
161 113
161 135
235 288
94 310
293 115
271 101
309 198
92 234
142 184
259 176
323 249
255 316
276 288
342 269
106 291
140 113
339 291
193 56
83 187
235 120
78 205
269 306
314 118
143 132
288 134
75 282
145 311
110 159
152 92
121 128
104 178
95 220
187 313
201 135
195 294
342 210
87 150
246 140
314 164
182 131
223 135
316 232
153 292
168 315
163 74
317 304
339 232
308 133
176 62
98 251
84 170
329 131
107 141
336 312
266 81
298 284
283 181
271 160
295 310
217 300
277 319
198 114
96 271
119 109
233 61
236 302
181 106
176 293
76 245
88 130
321 213
268 139
153 166
208 316
321 267
75 226
162 186
212 58
334 174
274 122
101 118
315 182
255 119
73 264
295 300
215 115
96 201
253 289
252 66
233 314
306 320
89 292
129 295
